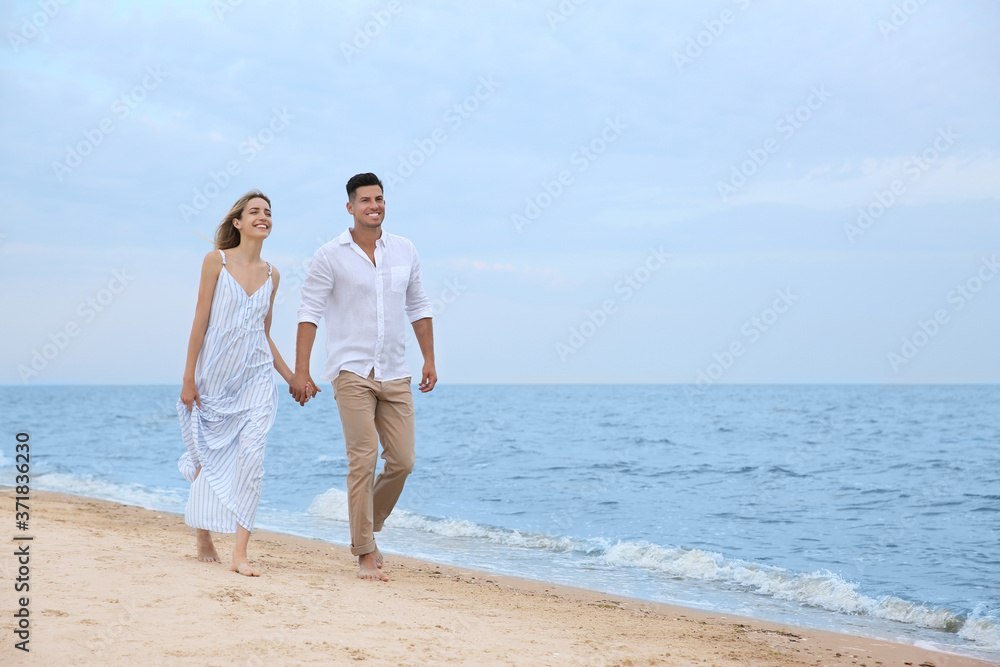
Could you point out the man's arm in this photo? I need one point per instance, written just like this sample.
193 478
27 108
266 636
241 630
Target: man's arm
424 332
419 312
301 380
316 290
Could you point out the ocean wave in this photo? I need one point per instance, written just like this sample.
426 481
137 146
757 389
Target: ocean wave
463 528
128 494
333 505
822 589
330 505
982 627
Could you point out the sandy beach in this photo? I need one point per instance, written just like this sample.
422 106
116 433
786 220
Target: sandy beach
112 584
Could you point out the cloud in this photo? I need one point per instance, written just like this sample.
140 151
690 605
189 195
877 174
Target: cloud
558 84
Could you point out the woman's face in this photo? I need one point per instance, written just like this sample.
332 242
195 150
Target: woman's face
256 219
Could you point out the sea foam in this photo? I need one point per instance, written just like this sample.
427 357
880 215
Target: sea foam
167 500
821 589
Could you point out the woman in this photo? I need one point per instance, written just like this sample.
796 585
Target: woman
229 396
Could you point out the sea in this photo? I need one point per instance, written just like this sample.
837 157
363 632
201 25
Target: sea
872 509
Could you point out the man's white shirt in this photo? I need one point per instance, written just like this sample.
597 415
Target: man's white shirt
367 307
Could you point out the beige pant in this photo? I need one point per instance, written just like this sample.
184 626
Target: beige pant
370 411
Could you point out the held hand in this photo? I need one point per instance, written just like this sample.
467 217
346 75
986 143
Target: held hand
429 378
189 394
302 388
311 391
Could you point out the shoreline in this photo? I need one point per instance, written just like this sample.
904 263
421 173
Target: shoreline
119 584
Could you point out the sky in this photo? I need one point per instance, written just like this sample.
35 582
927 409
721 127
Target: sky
724 191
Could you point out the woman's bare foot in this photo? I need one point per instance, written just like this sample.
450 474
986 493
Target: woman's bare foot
245 568
206 548
241 564
368 568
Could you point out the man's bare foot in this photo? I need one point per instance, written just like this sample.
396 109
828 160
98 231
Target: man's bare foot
368 568
206 548
379 561
245 568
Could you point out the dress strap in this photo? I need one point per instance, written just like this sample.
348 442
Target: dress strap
223 256
268 269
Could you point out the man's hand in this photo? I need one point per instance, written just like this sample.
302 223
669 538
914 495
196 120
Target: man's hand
302 388
423 329
428 378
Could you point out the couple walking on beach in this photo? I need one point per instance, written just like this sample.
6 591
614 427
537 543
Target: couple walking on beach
367 284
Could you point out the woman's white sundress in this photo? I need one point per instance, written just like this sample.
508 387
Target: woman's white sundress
226 436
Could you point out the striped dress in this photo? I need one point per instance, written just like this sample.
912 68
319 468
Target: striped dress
226 436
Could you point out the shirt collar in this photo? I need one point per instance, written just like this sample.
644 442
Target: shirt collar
347 239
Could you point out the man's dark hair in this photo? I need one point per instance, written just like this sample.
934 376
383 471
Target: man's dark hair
359 180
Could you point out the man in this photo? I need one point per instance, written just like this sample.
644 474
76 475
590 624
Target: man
366 283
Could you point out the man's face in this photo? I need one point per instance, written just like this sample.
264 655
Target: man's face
367 207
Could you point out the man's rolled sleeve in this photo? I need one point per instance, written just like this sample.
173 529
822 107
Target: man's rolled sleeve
418 306
315 288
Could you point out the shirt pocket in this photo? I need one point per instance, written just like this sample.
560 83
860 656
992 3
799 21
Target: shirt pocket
400 278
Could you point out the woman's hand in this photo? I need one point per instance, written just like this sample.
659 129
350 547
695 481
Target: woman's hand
189 395
302 388
310 392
